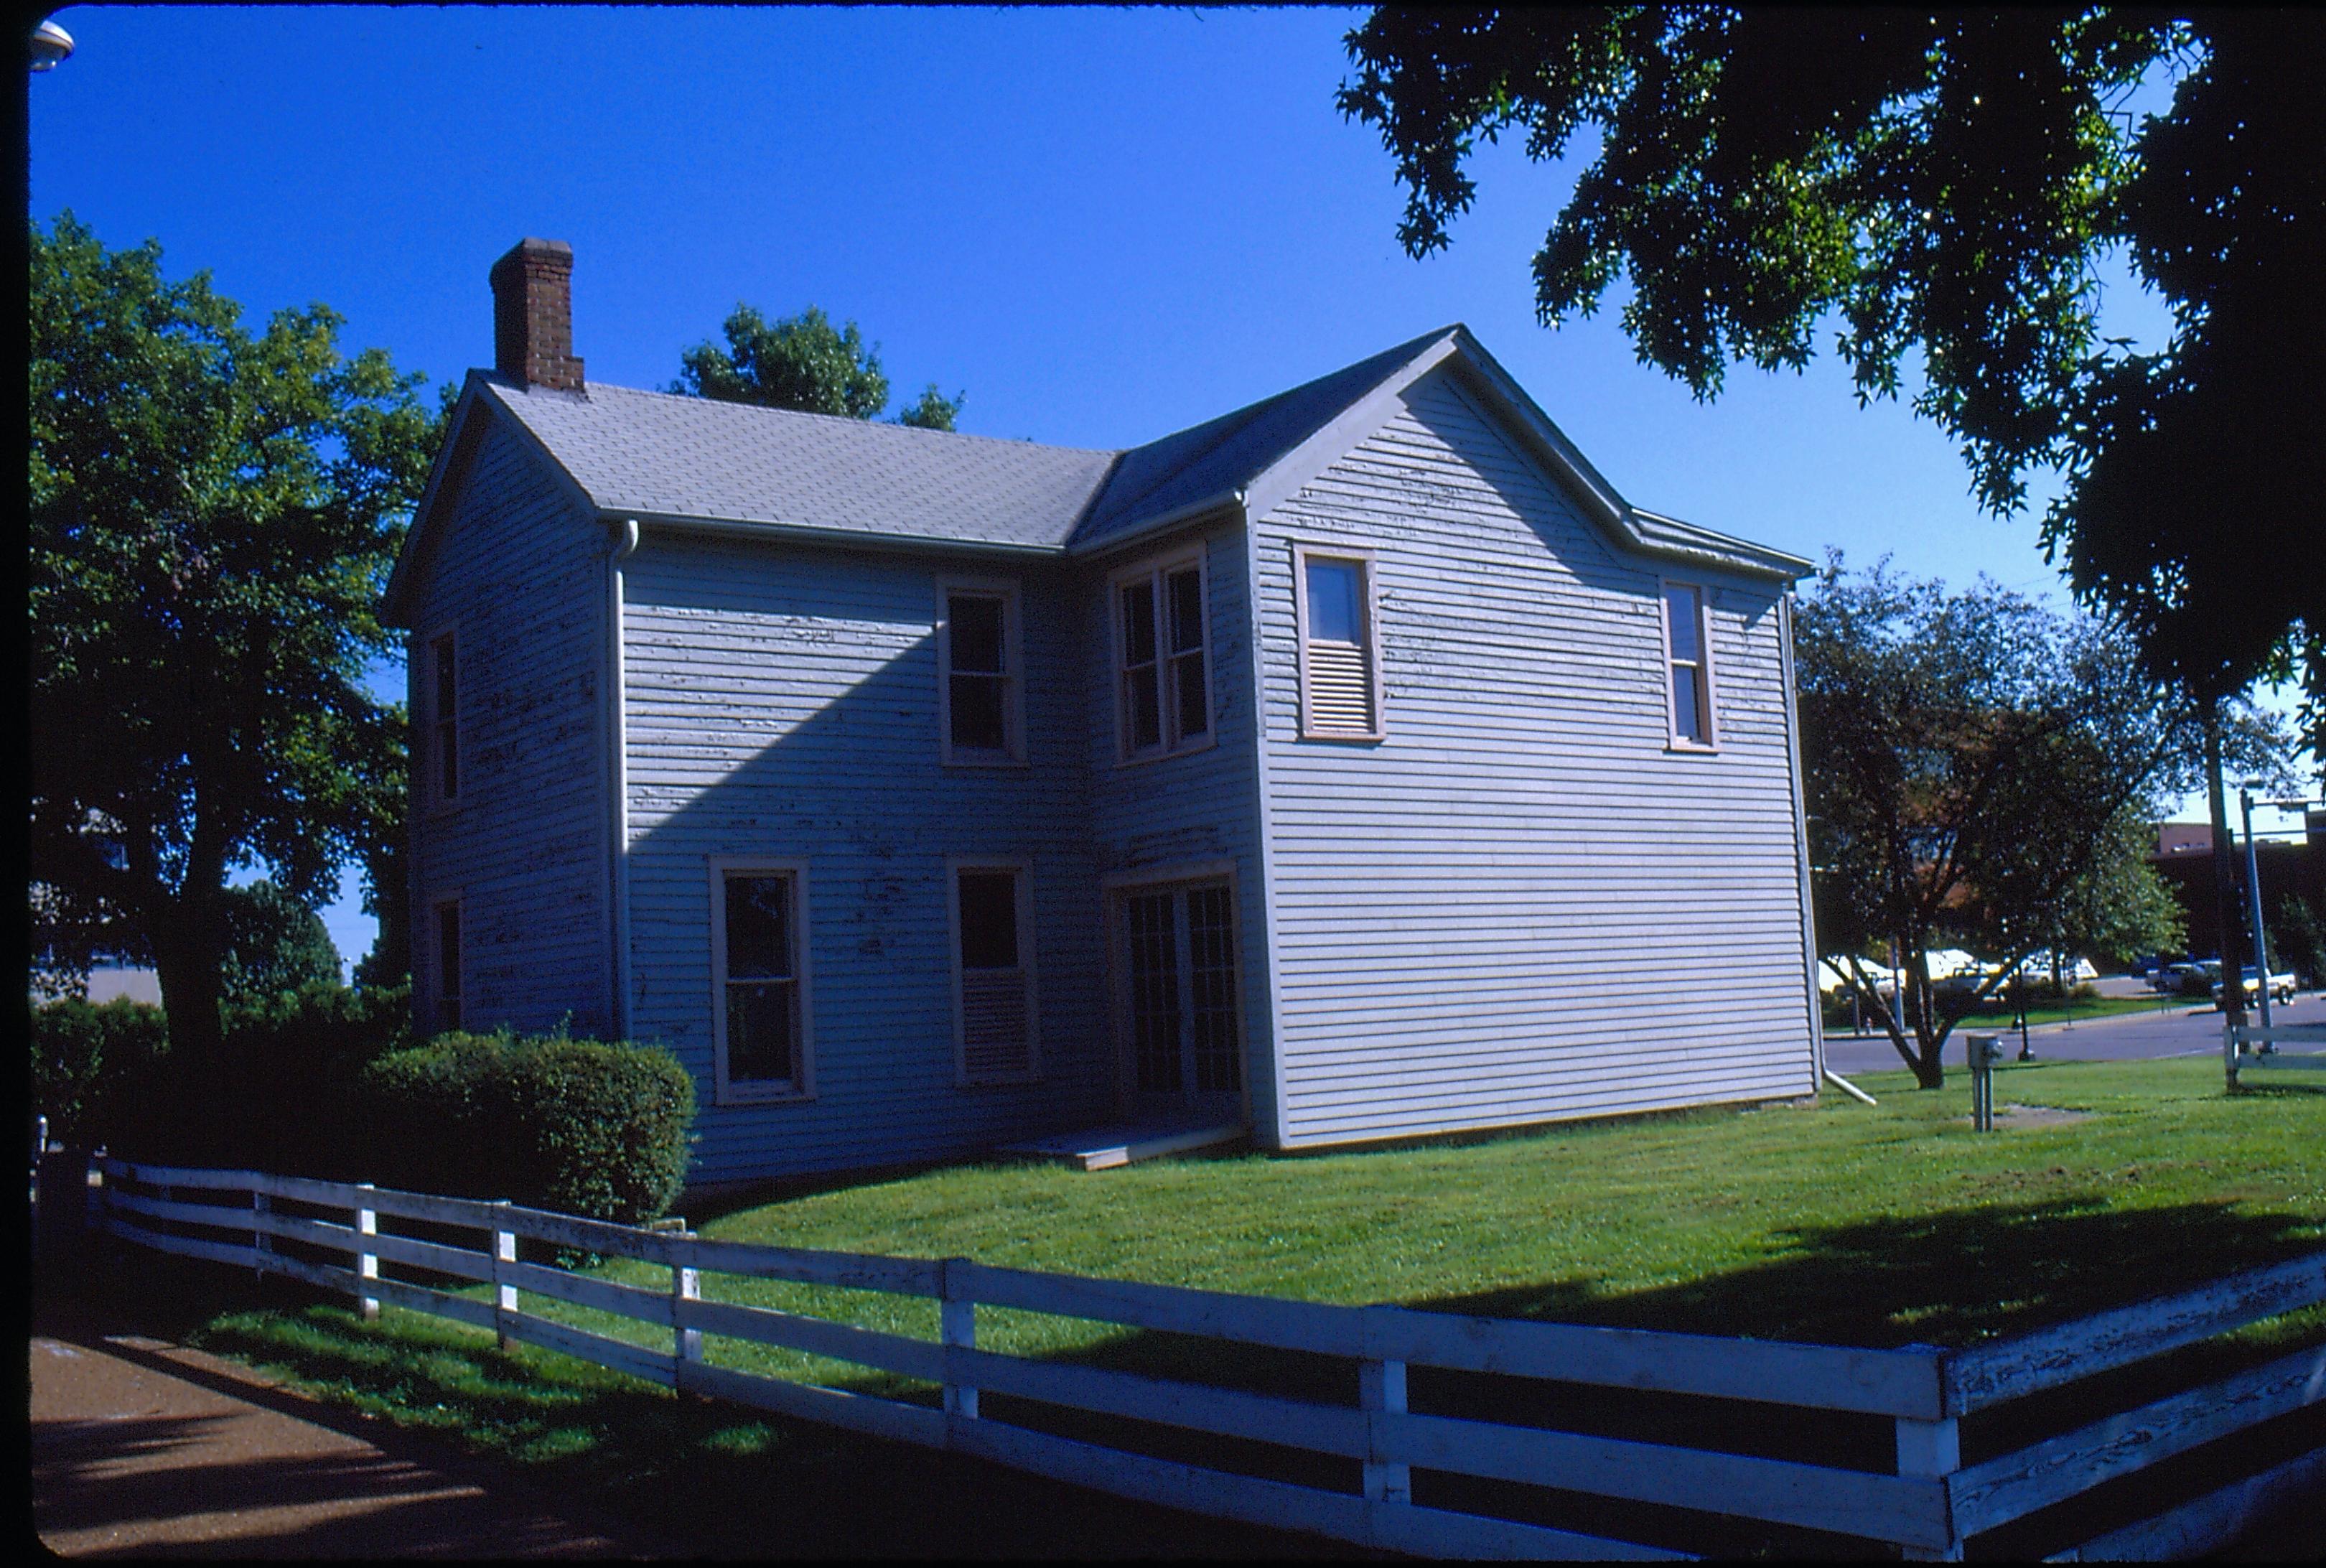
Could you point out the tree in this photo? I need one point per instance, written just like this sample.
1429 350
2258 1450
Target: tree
213 516
274 946
805 363
1978 773
1948 181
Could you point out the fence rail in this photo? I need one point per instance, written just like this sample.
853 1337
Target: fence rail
2248 1046
1927 1505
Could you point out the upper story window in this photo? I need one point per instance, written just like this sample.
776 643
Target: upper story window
445 716
760 1002
1339 631
981 690
1162 655
1687 648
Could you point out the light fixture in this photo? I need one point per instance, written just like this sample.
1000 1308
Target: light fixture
48 44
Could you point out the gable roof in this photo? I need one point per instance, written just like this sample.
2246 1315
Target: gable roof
665 457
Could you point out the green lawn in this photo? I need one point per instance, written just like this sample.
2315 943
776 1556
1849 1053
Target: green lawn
2073 1011
1836 1222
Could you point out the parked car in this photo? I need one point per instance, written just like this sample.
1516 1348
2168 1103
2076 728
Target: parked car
2280 987
2203 978
2037 966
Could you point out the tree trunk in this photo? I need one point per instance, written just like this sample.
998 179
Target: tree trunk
2227 910
186 961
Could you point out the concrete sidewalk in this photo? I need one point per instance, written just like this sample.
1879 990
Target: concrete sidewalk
143 1448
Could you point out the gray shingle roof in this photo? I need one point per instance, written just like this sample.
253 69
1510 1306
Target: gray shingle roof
668 455
1227 453
662 455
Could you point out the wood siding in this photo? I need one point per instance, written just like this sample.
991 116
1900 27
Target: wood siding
1197 807
519 574
782 701
1520 906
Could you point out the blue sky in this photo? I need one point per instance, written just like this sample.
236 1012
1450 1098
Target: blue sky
1101 225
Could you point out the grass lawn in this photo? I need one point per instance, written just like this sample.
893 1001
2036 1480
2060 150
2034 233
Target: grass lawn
1836 1222
2074 1011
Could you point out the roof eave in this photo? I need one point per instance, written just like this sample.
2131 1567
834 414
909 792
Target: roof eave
811 533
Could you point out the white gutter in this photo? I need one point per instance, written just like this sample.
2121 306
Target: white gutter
618 866
862 538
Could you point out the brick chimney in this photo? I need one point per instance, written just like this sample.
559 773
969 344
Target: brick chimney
533 315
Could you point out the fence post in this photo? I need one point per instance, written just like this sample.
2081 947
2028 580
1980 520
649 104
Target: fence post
686 1343
261 1241
366 1262
2230 1053
1381 1391
957 1326
504 1296
1932 1450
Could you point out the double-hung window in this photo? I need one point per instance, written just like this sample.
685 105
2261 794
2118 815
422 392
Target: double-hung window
447 963
981 692
993 971
445 718
759 1005
1163 678
1688 652
1340 658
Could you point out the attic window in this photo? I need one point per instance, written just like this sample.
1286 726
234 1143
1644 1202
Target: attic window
1339 630
1688 650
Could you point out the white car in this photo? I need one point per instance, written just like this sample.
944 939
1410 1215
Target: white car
2037 966
2280 987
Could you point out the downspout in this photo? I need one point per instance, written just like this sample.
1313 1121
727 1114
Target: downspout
626 542
1819 1070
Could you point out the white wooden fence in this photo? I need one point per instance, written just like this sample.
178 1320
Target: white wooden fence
2241 1046
1927 1504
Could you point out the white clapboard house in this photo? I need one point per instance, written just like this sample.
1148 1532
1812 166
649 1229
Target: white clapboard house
1356 765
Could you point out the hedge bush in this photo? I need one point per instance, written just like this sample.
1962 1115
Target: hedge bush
577 1125
279 1098
84 1056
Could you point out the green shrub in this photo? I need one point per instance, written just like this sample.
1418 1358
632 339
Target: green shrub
279 1099
83 1056
577 1125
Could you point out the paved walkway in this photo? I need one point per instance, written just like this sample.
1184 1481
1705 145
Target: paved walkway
144 1449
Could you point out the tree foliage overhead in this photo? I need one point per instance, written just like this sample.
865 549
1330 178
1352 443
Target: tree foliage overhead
802 362
1978 773
213 515
1947 181
274 946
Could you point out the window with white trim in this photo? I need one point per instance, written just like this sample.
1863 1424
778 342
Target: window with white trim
760 1018
448 964
445 718
1688 651
1162 654
981 694
1340 674
993 971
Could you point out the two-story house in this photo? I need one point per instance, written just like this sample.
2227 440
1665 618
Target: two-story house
1356 765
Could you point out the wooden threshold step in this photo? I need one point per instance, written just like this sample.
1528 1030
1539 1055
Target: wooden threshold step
1103 1148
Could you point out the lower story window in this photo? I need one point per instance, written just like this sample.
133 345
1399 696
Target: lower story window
761 1024
448 966
993 958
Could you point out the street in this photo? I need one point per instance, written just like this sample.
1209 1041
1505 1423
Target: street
2190 1030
